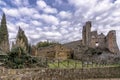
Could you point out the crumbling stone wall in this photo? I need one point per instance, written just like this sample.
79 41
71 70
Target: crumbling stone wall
54 51
58 74
91 38
111 42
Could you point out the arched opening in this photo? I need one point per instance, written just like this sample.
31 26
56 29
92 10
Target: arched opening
72 55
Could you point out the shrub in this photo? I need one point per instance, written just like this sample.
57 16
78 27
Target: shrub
45 44
17 58
93 51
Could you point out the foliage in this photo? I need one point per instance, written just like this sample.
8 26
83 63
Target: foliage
22 37
3 29
45 44
68 64
17 58
93 51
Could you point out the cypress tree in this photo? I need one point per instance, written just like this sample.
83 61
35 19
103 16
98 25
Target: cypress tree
4 34
22 40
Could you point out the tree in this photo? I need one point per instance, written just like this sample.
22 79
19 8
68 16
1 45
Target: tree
21 40
45 44
4 42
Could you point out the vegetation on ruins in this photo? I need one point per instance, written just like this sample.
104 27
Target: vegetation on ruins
96 51
18 58
46 43
93 51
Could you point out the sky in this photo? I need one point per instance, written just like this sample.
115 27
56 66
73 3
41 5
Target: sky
60 20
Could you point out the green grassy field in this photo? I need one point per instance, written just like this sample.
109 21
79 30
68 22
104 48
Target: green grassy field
76 64
65 64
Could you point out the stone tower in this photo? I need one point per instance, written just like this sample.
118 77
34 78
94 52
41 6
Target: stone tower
86 34
94 40
4 41
21 40
111 43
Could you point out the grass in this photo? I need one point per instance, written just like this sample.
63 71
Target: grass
65 64
68 64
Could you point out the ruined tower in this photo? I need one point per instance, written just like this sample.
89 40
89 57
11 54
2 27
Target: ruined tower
4 41
102 41
94 40
111 43
21 40
86 34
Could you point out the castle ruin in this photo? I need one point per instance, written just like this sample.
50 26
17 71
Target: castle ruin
93 39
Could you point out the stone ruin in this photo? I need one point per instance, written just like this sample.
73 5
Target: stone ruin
89 39
93 39
56 51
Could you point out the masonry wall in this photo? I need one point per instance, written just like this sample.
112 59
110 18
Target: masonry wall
59 74
90 38
86 34
111 42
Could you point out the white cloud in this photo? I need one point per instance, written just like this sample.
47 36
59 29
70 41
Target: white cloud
36 16
52 34
27 11
20 2
22 25
12 36
64 15
65 24
43 21
50 10
11 12
49 19
36 23
11 27
41 4
64 31
46 8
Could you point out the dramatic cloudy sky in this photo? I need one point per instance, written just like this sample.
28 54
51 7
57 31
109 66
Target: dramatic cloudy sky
60 20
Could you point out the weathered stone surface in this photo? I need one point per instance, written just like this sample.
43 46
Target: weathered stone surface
54 51
62 74
86 33
107 44
4 42
111 43
92 39
79 51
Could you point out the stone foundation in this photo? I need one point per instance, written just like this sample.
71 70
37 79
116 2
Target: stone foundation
58 74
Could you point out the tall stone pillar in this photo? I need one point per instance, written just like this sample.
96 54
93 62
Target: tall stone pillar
111 43
86 34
